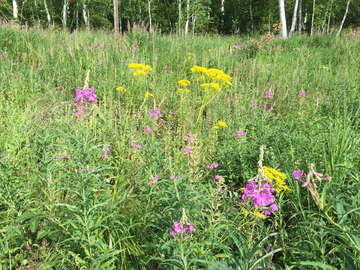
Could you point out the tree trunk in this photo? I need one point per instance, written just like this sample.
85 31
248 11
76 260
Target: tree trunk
251 19
328 26
179 17
294 18
193 24
15 9
149 2
77 16
282 19
84 15
305 21
300 16
343 20
116 19
47 13
312 19
64 13
222 9
187 17
120 19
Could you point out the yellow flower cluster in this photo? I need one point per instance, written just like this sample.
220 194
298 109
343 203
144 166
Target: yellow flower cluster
184 83
121 89
220 124
148 95
279 178
140 69
258 214
214 86
216 75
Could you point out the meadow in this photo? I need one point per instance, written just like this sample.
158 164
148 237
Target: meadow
151 151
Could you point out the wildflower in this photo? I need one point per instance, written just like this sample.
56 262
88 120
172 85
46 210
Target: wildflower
138 146
298 174
269 95
158 113
171 112
121 89
68 156
80 170
184 83
148 130
279 178
303 94
221 124
57 156
147 95
267 249
239 134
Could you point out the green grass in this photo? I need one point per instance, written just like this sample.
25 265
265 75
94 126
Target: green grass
107 216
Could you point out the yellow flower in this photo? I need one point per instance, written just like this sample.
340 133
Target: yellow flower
140 69
188 91
222 124
279 183
183 82
147 68
216 127
197 69
189 53
122 89
139 73
180 90
149 95
258 214
246 213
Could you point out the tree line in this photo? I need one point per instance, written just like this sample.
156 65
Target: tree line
189 17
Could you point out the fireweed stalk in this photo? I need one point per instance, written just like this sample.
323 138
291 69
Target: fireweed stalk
139 71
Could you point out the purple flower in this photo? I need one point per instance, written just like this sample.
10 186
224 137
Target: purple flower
267 249
269 95
138 146
80 170
57 156
190 229
303 94
297 174
273 207
68 156
148 130
239 134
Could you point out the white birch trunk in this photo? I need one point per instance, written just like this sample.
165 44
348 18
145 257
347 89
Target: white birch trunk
312 19
64 13
282 19
305 21
77 16
294 18
149 2
15 9
47 13
222 9
300 16
84 15
343 20
179 17
116 19
193 24
187 17
120 18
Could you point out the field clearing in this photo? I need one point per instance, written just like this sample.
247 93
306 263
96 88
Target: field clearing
135 152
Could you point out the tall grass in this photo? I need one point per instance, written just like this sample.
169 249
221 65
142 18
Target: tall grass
65 206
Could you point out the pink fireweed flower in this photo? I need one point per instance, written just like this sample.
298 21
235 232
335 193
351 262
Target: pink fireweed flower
239 134
298 174
178 228
269 95
148 130
138 146
303 94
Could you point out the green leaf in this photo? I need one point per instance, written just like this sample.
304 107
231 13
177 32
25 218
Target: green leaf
41 234
34 222
24 217
323 266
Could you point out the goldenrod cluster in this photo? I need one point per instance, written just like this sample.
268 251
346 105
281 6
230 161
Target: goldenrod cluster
121 89
213 74
147 95
184 83
140 69
220 124
279 178
214 86
258 214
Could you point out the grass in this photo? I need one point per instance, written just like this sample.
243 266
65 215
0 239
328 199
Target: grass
64 206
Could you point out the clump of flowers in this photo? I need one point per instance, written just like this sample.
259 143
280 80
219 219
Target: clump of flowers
279 183
302 94
179 227
260 189
147 95
156 113
220 182
298 175
220 124
239 134
105 152
269 95
148 130
154 181
82 98
121 89
139 70
212 166
132 143
6 157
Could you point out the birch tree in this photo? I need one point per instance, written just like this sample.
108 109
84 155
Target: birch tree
47 13
149 3
300 16
84 15
179 17
187 17
116 19
64 13
222 9
15 9
343 20
328 25
294 18
282 19
312 19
